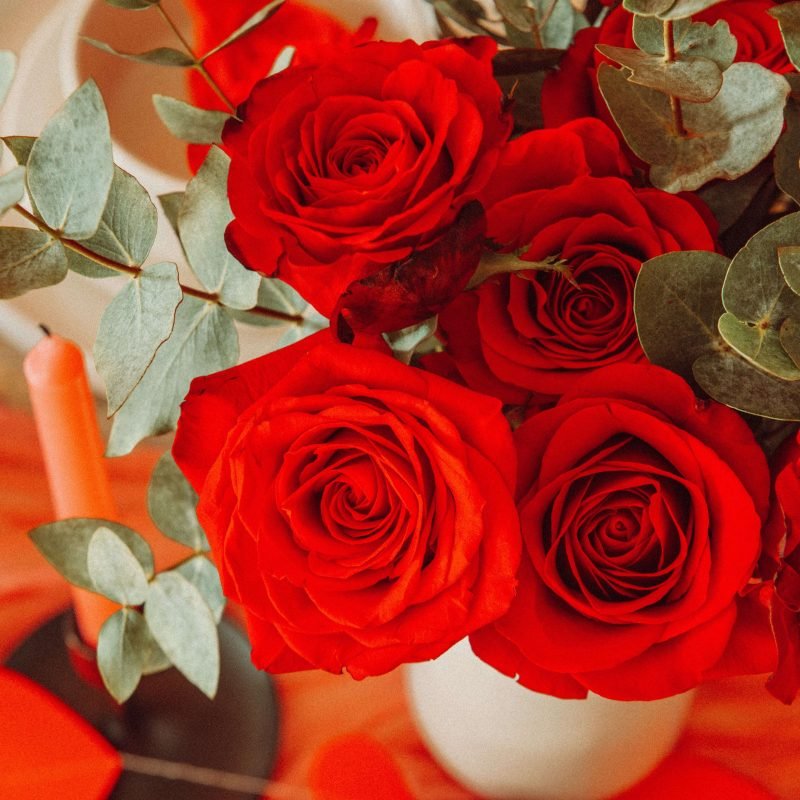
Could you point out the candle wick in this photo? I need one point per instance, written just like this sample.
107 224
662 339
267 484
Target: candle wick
45 329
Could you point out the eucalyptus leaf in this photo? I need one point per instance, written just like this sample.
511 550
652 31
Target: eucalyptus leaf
790 340
184 628
203 340
697 80
668 9
789 263
83 265
276 295
262 15
65 544
153 657
171 206
12 188
188 123
8 65
788 16
407 341
70 166
114 570
517 13
677 302
134 325
647 7
200 572
283 60
691 39
558 22
120 652
163 56
737 383
202 221
29 259
172 504
133 5
456 11
758 298
728 136
730 200
20 147
787 152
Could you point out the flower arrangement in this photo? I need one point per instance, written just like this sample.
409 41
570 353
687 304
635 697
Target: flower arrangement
539 295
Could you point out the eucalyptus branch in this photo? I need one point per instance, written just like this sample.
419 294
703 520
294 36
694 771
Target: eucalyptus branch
198 62
133 272
669 57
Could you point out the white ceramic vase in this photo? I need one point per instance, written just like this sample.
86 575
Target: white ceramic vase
503 741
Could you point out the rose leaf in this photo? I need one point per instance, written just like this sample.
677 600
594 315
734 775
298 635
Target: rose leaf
162 56
203 217
134 325
411 291
695 79
203 340
692 39
182 624
758 299
188 123
8 65
728 136
120 652
29 259
12 188
65 544
788 17
172 505
677 302
114 570
737 383
70 167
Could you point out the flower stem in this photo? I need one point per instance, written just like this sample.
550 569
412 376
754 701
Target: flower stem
674 102
198 65
133 272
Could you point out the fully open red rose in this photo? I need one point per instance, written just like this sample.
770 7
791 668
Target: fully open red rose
641 519
341 169
560 193
572 91
360 510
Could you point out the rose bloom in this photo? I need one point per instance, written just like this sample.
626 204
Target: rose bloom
341 169
572 91
641 512
359 509
781 564
560 193
238 67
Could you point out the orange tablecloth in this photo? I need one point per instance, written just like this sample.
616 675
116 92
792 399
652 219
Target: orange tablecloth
734 723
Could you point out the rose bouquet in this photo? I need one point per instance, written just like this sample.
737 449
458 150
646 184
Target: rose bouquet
538 294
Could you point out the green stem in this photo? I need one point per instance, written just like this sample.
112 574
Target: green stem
674 102
133 272
198 65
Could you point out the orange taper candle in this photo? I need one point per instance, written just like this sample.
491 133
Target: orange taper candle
73 453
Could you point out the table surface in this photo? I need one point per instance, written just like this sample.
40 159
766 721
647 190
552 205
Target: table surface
734 722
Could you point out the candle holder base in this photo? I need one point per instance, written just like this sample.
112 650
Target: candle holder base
167 719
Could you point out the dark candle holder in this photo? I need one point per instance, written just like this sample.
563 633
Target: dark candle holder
167 719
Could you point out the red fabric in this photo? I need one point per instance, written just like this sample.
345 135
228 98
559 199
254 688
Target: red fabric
736 729
38 729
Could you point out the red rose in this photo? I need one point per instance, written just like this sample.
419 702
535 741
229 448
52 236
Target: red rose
360 510
781 563
572 91
341 169
640 513
238 67
557 193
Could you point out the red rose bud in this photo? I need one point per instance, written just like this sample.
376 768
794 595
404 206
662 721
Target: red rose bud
360 510
641 515
341 169
409 292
